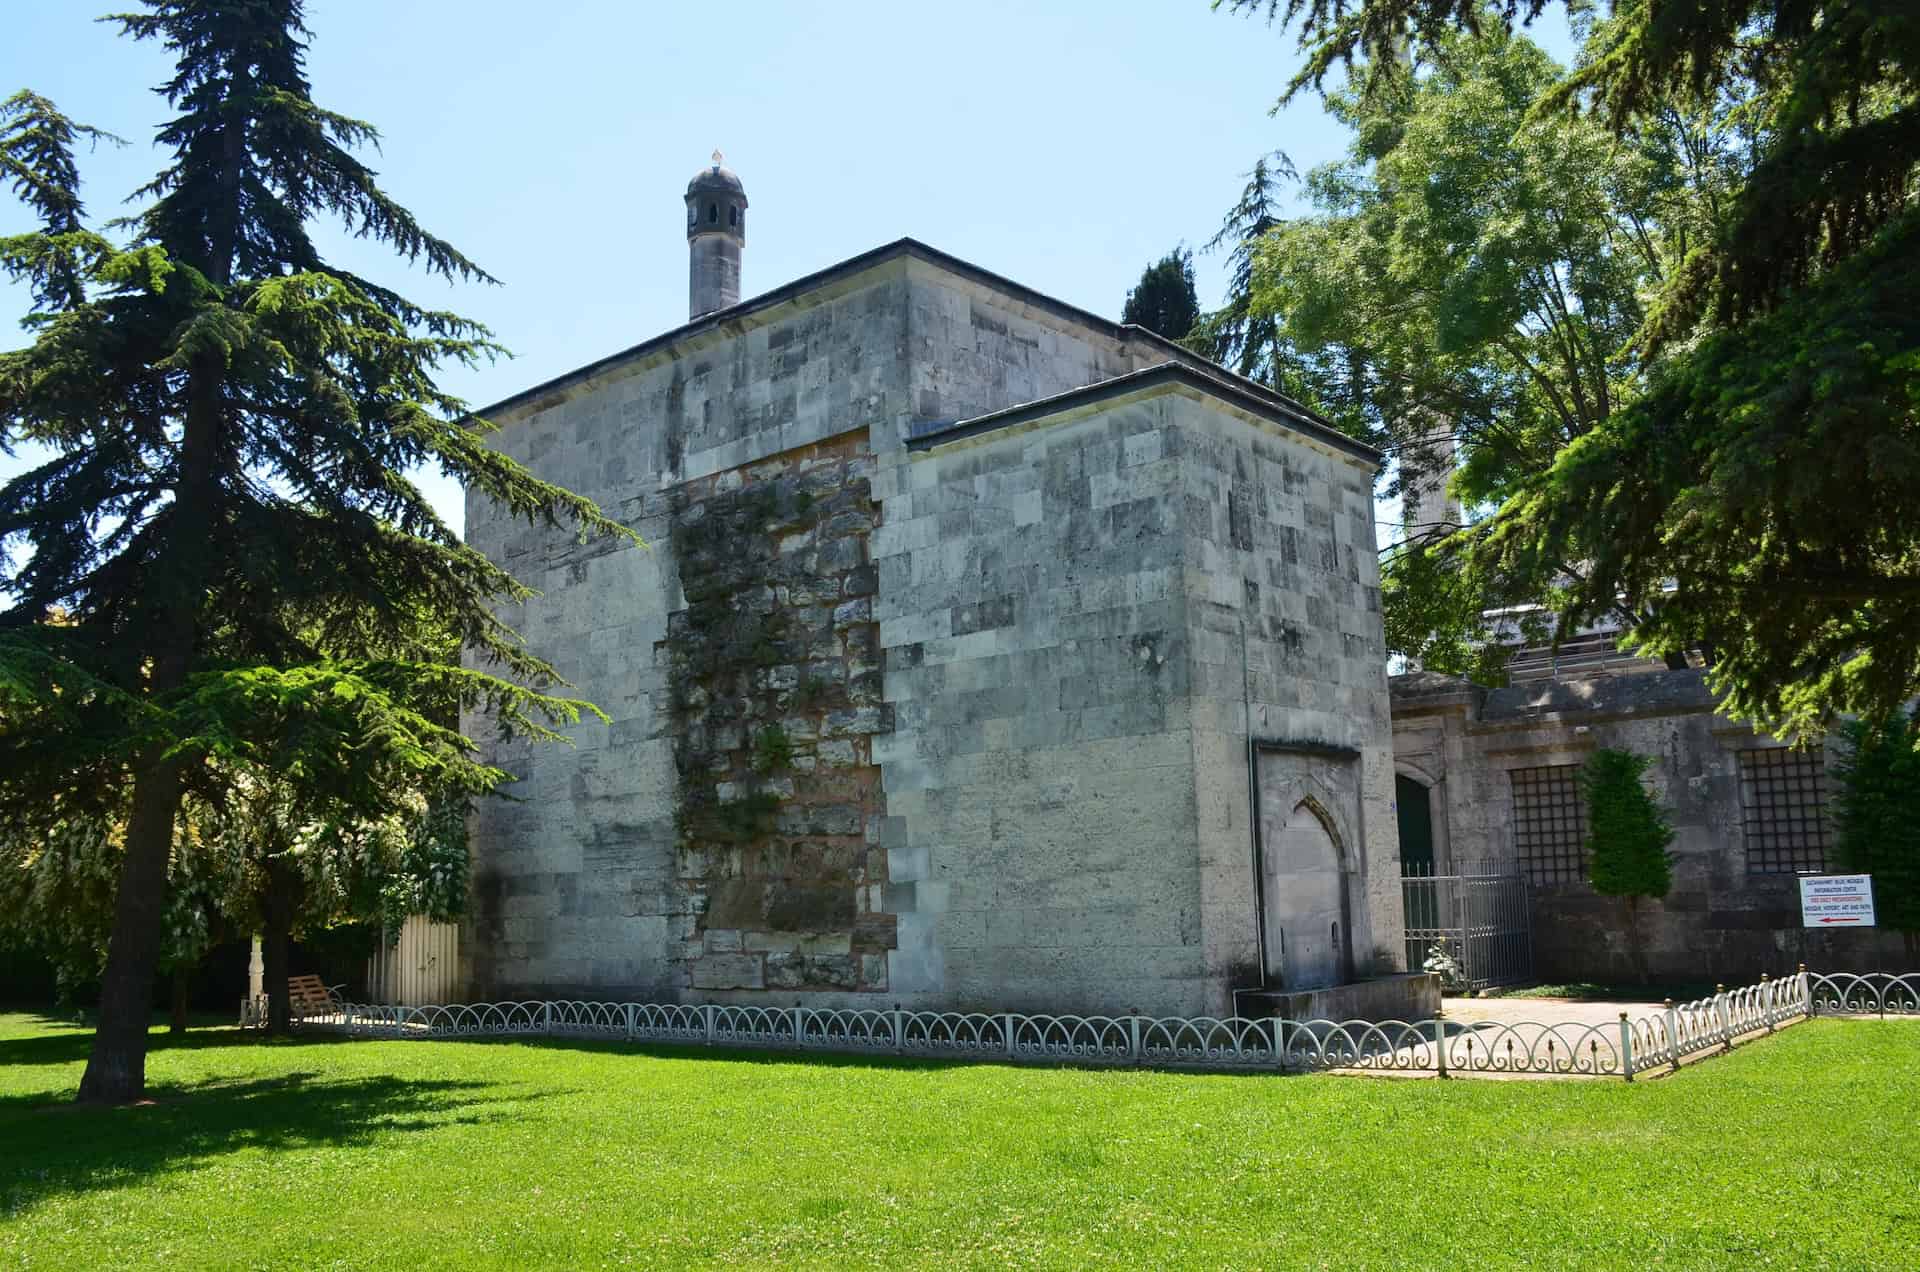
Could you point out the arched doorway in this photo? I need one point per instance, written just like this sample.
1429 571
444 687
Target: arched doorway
1307 902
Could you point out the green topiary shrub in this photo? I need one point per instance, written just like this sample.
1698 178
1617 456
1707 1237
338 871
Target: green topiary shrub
1627 838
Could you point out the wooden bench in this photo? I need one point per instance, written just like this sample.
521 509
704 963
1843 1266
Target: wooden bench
308 997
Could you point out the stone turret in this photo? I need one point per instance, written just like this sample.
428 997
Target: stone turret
716 233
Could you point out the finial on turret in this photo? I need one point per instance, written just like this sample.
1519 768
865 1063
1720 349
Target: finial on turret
718 158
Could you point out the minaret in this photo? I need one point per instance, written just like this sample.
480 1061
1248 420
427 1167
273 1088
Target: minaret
716 231
1431 511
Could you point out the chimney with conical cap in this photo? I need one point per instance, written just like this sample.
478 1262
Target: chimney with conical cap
716 233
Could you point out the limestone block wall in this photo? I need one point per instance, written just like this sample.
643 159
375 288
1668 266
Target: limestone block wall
1076 612
1282 585
1039 777
585 885
978 349
964 726
1720 922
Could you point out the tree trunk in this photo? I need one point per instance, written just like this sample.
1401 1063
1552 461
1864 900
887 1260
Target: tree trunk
1634 941
117 1067
176 595
182 982
282 903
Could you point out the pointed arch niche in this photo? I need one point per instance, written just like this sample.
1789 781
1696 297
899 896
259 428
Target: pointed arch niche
1312 915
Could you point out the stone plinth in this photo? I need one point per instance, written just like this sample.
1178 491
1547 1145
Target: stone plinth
1411 996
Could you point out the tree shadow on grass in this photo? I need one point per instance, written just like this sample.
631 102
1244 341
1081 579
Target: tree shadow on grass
55 1147
821 1058
74 1043
808 1056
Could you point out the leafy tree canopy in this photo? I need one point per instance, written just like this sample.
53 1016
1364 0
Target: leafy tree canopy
1464 292
1754 498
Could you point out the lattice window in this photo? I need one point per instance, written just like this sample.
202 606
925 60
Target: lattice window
1784 794
1550 823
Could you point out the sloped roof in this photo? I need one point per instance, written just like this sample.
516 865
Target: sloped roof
910 247
1221 387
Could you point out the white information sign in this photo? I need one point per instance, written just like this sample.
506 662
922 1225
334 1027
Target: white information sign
1831 901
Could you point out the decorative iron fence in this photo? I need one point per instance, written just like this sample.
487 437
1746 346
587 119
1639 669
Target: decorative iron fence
1682 1029
1866 994
1439 1045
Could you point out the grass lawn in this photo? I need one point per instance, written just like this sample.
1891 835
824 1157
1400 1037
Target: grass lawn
1801 1150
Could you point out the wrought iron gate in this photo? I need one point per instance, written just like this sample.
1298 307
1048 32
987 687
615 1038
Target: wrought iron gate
1480 918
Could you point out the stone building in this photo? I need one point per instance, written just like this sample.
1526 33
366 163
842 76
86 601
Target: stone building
1486 783
983 654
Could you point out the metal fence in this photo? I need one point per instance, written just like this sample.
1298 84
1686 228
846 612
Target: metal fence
1480 920
419 963
1866 994
1682 1029
1439 1045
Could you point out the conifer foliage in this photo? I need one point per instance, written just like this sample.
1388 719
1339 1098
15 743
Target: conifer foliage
1627 838
1877 814
1164 301
223 573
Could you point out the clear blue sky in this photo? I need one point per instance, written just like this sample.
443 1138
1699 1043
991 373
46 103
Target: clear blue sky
1064 145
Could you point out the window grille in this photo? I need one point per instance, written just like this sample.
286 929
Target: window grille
1550 823
1784 794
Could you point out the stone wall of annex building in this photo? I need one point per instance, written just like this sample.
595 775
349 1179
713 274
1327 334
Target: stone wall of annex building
1723 920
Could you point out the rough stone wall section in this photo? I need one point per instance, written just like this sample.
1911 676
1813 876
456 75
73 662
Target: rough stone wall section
775 686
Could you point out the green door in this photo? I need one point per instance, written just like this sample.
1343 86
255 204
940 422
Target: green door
1411 800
